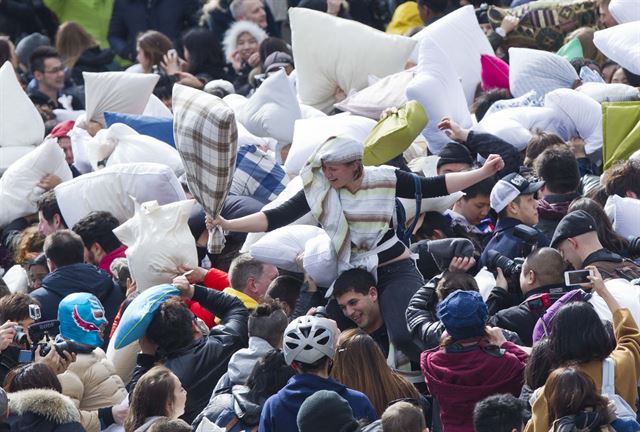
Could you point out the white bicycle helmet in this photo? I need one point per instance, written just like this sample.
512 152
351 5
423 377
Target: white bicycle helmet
309 338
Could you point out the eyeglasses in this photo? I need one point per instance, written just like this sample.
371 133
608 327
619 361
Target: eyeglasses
55 70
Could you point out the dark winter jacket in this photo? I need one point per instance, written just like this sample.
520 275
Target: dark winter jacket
220 19
132 17
280 411
75 278
459 378
92 60
611 265
505 242
484 144
423 322
520 319
225 409
200 364
43 410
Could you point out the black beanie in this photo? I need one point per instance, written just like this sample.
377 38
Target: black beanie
326 411
454 152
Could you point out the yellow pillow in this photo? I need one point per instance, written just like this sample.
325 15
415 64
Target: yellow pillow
393 135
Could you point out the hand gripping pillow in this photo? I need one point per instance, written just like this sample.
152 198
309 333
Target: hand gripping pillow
334 53
121 144
136 318
623 213
620 44
393 135
120 92
308 134
272 110
537 70
110 190
616 92
20 123
293 187
620 131
495 73
459 35
18 185
437 88
387 92
158 240
282 246
320 260
625 11
584 113
160 128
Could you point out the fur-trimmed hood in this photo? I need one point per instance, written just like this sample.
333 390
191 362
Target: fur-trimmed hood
49 404
237 28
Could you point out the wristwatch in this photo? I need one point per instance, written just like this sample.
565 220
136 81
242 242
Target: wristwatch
501 32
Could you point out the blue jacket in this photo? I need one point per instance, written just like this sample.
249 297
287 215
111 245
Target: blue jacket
506 243
280 411
74 278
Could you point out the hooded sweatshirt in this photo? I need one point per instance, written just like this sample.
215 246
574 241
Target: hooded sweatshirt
242 363
75 278
280 411
458 380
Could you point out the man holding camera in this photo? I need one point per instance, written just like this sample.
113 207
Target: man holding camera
576 238
513 198
541 282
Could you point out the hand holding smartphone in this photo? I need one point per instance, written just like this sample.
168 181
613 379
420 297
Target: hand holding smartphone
577 277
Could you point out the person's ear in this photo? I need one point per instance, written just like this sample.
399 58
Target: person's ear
531 277
373 293
57 221
630 194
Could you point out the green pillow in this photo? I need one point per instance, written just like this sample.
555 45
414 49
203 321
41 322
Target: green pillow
571 50
394 134
620 131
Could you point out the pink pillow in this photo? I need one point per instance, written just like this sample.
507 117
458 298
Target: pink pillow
495 73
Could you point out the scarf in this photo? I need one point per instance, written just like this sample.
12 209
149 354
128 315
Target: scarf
355 222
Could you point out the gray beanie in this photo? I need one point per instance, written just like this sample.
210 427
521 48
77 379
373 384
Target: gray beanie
326 411
28 45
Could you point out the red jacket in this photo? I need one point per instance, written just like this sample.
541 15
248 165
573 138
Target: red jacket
458 380
217 280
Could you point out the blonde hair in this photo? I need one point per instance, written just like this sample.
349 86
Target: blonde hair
359 364
71 41
31 241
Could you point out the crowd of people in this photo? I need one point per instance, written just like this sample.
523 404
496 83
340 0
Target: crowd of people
438 272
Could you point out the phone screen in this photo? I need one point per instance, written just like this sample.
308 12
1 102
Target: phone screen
577 277
25 356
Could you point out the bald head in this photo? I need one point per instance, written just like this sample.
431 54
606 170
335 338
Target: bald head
543 266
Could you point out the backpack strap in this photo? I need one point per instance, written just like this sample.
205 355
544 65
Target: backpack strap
234 421
418 197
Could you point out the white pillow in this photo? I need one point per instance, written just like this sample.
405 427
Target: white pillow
542 71
18 186
585 115
334 53
8 155
20 123
119 92
320 260
292 188
459 35
79 141
110 190
616 92
247 138
308 134
156 108
625 11
280 247
623 213
514 125
439 204
620 44
272 110
387 92
158 240
17 279
122 144
310 112
438 89
236 102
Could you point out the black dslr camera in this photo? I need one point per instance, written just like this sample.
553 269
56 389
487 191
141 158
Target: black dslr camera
41 333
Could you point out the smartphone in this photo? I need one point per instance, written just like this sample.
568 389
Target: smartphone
577 277
172 53
25 356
